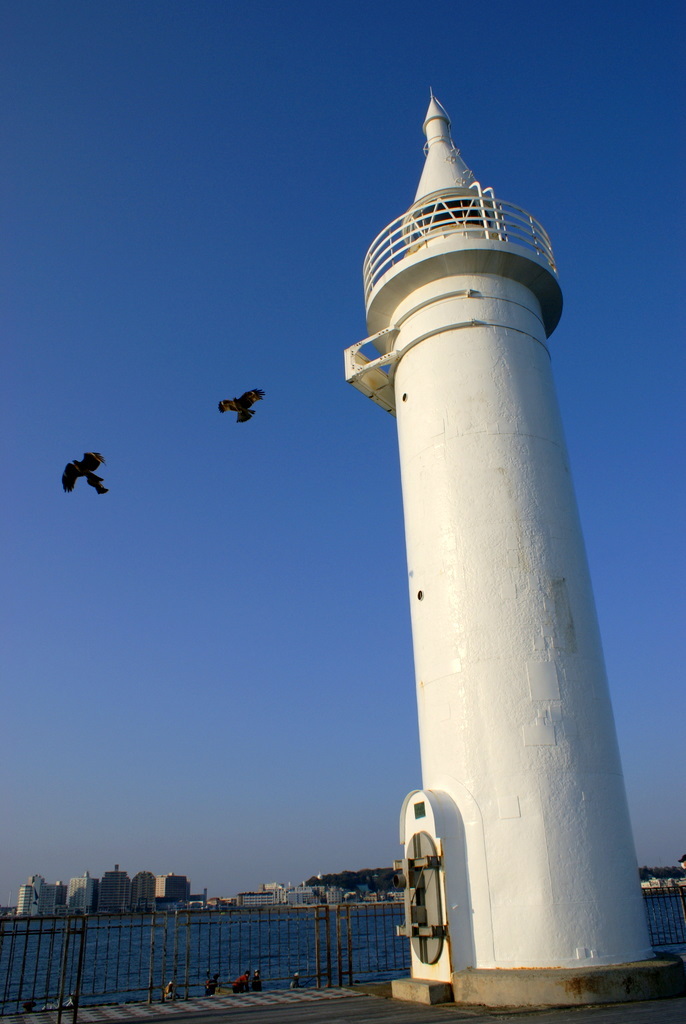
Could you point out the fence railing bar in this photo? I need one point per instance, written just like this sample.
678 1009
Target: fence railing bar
327 925
339 952
63 975
317 951
187 955
350 945
82 931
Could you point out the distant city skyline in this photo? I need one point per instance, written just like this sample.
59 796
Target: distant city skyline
115 893
81 893
210 666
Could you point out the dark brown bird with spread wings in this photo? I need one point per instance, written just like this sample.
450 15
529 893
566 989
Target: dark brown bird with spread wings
242 405
86 467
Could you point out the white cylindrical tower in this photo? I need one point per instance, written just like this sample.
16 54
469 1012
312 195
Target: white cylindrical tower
523 792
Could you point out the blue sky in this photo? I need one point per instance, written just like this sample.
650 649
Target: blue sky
208 670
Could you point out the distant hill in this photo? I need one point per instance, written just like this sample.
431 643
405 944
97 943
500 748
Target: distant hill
381 879
366 880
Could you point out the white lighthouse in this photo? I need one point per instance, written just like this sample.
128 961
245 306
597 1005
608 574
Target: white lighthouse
520 864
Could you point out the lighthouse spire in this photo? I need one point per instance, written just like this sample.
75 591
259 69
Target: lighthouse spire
444 167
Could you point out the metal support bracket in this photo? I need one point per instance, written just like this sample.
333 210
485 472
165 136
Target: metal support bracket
374 377
369 375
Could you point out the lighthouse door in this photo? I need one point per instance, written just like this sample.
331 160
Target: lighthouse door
419 876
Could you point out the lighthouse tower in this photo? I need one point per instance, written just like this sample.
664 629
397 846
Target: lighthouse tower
519 857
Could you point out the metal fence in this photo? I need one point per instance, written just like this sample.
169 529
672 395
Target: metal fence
666 914
64 962
61 962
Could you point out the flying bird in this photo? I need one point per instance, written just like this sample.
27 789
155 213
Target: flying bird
87 465
242 405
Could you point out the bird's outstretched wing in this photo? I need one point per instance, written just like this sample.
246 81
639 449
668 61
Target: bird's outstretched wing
228 405
250 397
70 476
91 461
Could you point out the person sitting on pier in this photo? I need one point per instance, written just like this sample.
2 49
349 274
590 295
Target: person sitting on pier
242 983
256 981
211 984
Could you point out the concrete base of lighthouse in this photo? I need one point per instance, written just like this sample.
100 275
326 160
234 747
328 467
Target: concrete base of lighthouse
661 978
421 990
646 979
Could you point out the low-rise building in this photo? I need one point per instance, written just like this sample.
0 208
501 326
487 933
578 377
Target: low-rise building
255 899
277 888
301 895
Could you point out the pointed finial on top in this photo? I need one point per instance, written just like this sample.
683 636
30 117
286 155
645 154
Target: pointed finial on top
436 110
444 167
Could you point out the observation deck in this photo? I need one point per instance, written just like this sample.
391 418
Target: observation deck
458 231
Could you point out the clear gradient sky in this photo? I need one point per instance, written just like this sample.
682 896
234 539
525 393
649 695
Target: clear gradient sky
208 670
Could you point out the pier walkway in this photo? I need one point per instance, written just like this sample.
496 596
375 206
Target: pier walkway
351 1006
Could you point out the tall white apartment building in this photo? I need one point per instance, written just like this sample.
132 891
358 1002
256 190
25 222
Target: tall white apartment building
82 895
47 898
28 900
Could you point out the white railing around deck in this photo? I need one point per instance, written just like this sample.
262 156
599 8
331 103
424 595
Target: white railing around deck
479 217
